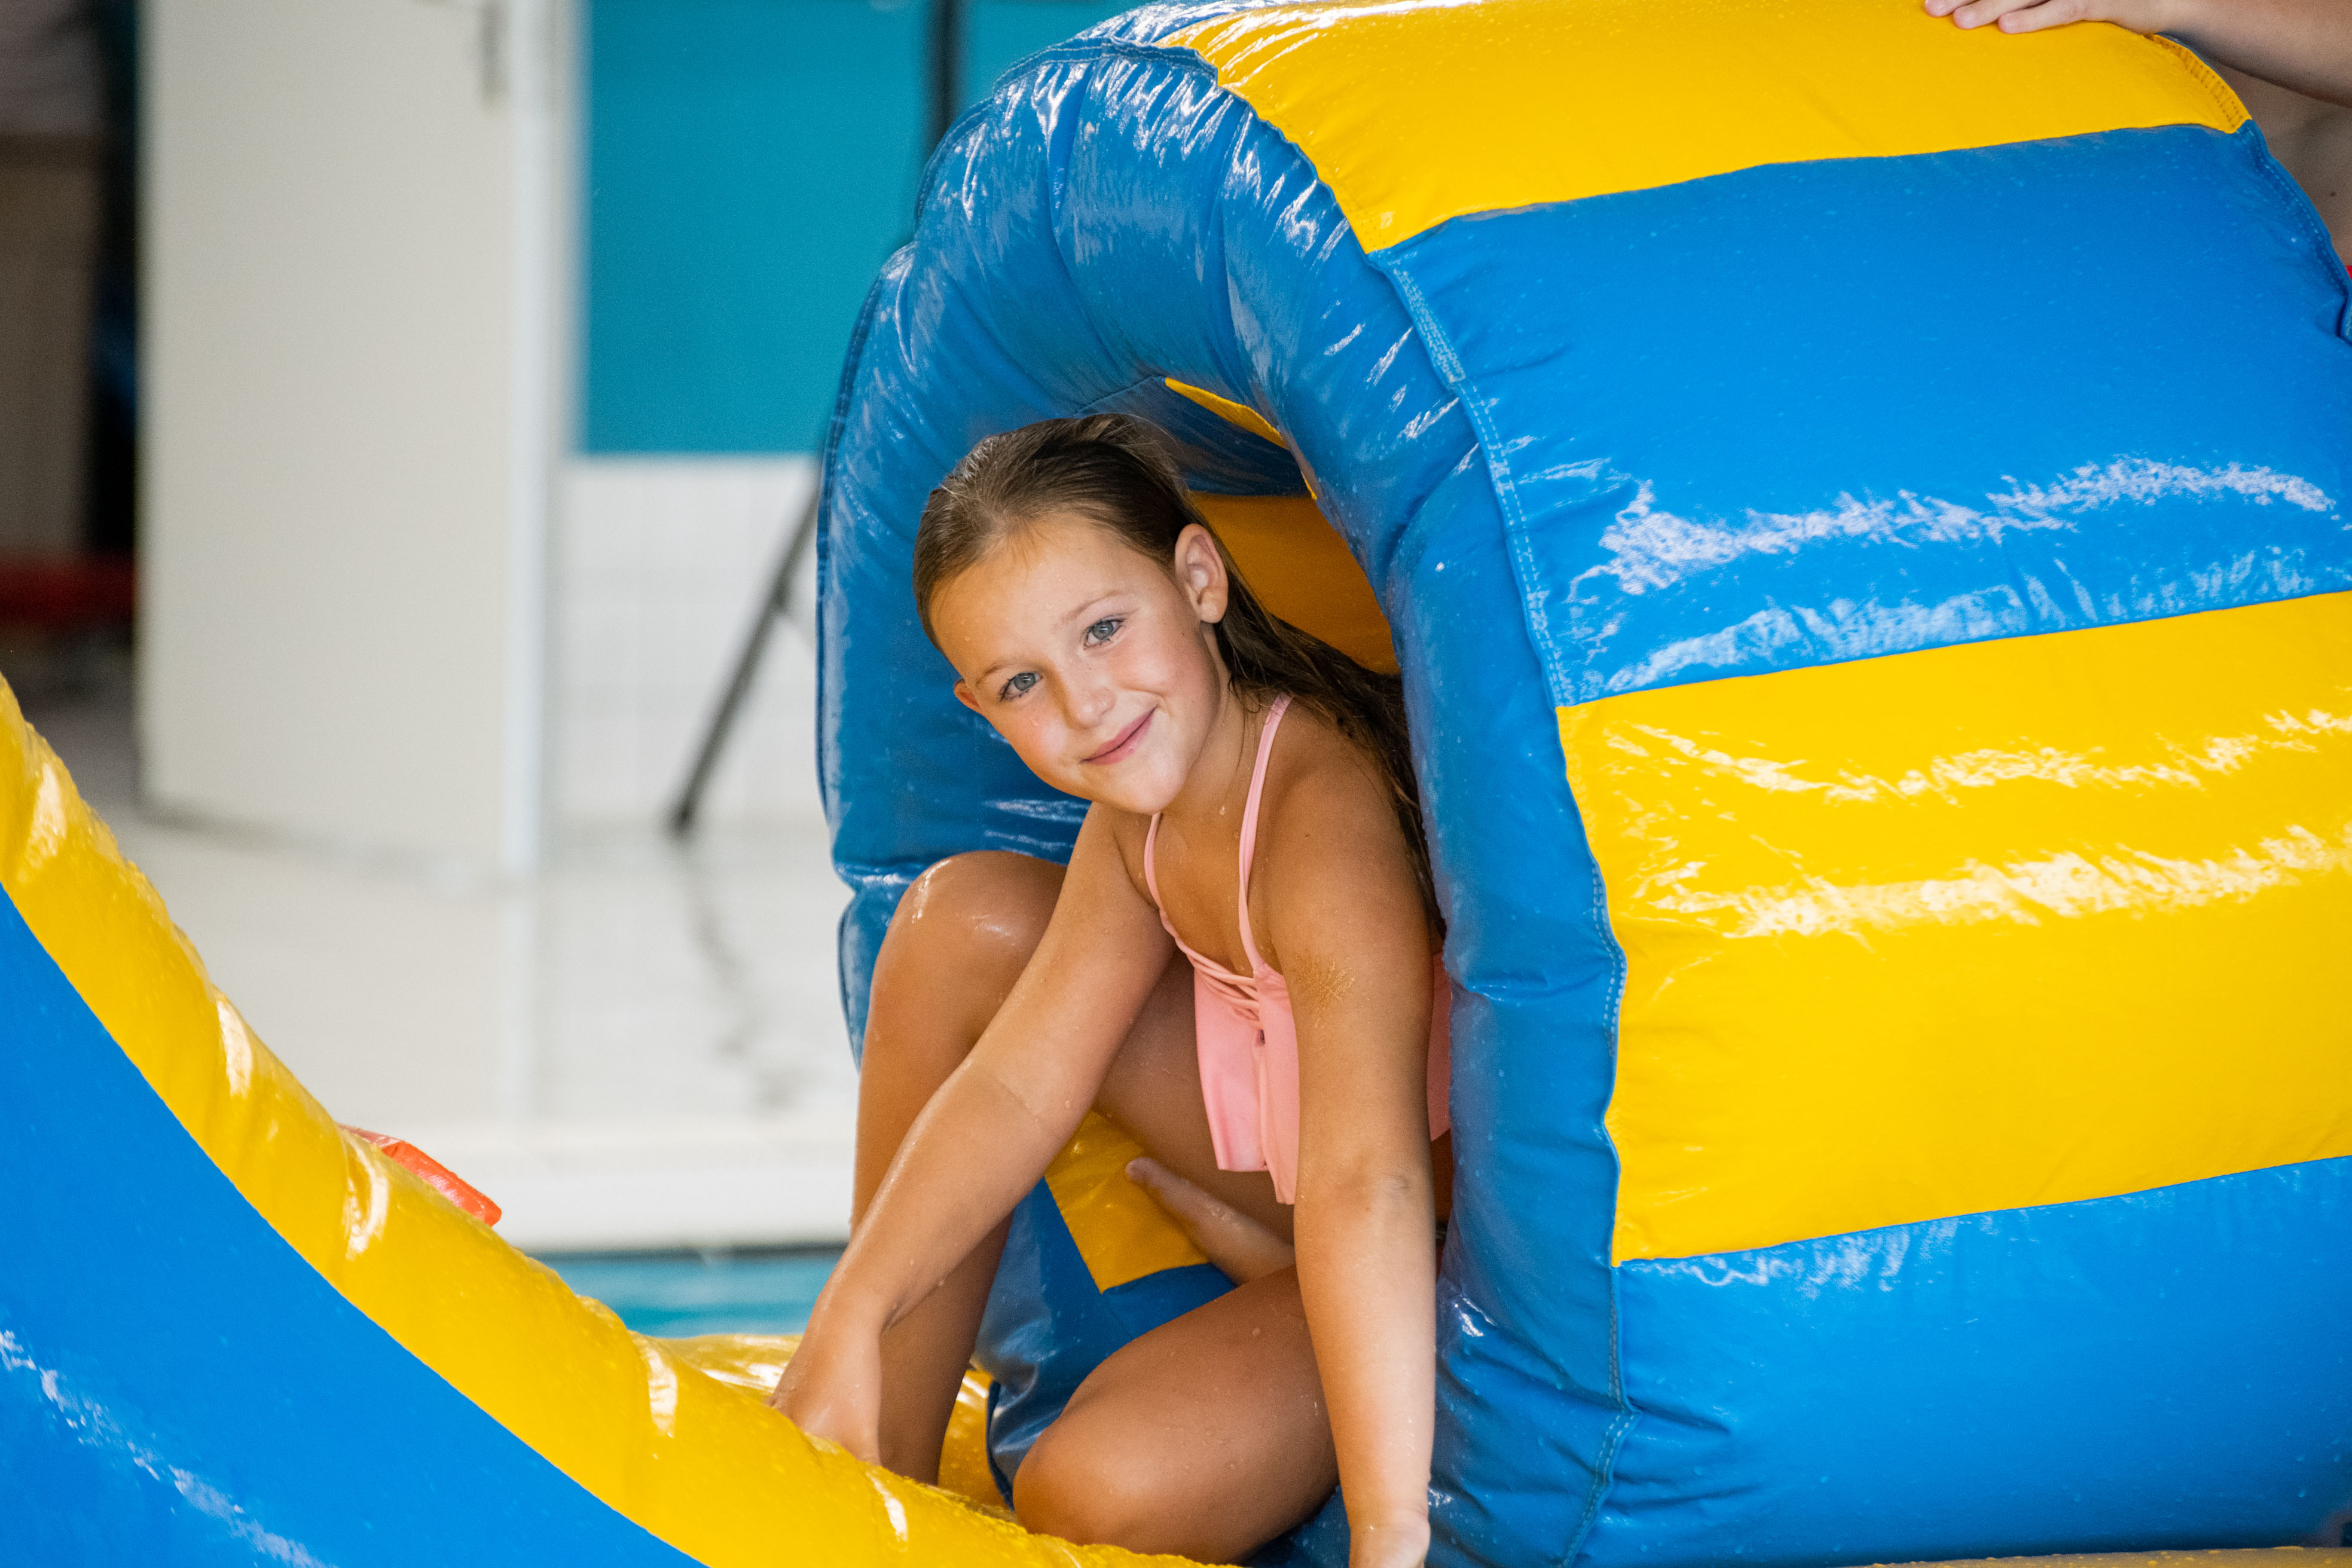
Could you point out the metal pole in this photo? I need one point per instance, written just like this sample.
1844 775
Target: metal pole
773 607
946 66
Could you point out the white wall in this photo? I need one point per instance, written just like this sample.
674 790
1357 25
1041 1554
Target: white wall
660 565
351 278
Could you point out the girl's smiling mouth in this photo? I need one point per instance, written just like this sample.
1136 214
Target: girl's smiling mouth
1119 749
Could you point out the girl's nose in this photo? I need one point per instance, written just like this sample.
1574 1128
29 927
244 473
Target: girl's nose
1091 704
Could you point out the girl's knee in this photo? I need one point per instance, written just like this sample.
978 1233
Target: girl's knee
1075 1487
986 901
962 936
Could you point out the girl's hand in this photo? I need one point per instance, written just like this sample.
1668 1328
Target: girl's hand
832 1389
2032 16
1401 1543
1239 1246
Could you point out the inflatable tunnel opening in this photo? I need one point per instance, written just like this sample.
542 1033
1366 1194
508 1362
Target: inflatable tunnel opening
1787 713
1293 558
1859 512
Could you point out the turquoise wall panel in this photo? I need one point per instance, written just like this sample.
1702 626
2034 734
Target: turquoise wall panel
747 167
1000 34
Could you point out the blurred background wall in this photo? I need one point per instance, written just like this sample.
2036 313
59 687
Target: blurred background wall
350 363
67 232
747 167
404 407
488 345
402 413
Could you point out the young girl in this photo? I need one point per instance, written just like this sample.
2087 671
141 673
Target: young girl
1238 967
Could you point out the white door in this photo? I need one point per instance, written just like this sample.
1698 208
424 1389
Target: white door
347 420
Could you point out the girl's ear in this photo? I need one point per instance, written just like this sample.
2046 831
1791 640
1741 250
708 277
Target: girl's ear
1200 569
963 695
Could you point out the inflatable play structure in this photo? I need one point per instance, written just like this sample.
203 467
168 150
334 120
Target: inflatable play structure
1860 509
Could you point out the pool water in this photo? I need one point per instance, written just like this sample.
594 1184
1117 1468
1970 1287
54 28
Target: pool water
679 1294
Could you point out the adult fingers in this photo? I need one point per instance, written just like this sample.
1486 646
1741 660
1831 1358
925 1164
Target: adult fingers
2051 14
2014 15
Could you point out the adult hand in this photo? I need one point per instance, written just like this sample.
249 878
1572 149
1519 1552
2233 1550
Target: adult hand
2032 16
2303 45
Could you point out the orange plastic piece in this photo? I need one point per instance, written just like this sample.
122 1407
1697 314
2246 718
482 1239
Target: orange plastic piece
432 1173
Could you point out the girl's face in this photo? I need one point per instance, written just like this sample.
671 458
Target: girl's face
1094 661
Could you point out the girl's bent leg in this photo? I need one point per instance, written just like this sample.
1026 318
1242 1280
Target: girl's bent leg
1207 1437
961 936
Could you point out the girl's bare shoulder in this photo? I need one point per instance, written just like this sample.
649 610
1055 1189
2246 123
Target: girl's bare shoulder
1120 833
1335 886
1327 804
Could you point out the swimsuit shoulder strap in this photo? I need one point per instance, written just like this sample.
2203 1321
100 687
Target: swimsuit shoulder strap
1150 837
1249 824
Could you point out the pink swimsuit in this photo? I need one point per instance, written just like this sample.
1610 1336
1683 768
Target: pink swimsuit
1248 1038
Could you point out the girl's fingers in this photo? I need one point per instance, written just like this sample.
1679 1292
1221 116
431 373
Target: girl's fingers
1185 1200
1239 1246
826 1402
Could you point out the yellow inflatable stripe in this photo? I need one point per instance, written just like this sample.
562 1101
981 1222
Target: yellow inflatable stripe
1415 111
1291 556
1302 570
1226 408
754 1362
1889 953
1121 1233
702 1464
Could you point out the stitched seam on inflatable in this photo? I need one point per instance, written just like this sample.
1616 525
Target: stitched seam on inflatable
1449 366
1605 1467
1524 569
2299 202
1605 1470
2224 98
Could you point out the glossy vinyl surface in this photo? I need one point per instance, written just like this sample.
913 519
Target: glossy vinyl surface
1641 397
1884 921
1700 455
169 1365
2194 1388
230 1331
1417 113
1828 462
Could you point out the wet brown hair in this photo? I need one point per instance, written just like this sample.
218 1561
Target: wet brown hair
1120 472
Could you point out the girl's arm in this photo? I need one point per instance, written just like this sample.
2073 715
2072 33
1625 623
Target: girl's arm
2304 45
1353 945
984 1139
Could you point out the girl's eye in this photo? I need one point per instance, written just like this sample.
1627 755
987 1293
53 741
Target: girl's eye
1017 685
1101 631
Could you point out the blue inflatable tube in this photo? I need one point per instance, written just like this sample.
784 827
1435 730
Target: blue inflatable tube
1859 509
